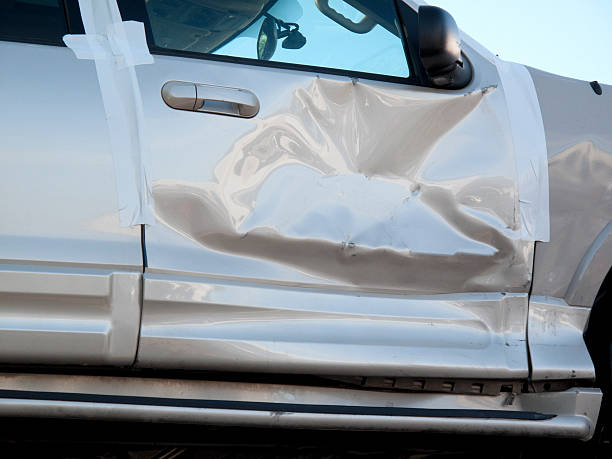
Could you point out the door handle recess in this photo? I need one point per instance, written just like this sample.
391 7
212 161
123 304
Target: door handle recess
207 98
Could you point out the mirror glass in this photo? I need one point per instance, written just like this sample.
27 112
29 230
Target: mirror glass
267 39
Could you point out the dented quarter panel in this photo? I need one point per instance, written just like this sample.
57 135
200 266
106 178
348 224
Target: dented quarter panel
349 186
556 346
578 125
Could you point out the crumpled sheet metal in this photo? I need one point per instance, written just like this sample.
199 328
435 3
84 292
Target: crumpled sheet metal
528 137
116 47
368 185
556 345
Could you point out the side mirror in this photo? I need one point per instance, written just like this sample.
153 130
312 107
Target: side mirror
440 48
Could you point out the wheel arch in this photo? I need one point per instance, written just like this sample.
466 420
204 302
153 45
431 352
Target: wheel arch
597 336
590 276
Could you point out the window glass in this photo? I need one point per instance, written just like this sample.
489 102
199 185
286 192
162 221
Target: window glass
354 35
37 21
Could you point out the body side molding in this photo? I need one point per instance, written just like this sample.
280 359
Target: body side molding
68 316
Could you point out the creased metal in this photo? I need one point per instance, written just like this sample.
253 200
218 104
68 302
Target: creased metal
365 184
556 346
196 323
529 150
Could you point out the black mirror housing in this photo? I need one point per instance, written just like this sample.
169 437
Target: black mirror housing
440 48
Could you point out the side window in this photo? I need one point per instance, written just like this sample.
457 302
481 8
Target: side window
35 21
349 35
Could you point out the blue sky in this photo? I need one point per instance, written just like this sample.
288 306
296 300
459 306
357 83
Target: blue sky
567 37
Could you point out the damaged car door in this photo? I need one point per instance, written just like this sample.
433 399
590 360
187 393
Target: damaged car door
322 208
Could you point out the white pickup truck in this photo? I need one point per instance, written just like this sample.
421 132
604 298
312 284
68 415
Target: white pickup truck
339 214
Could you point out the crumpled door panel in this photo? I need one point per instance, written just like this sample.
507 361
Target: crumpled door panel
280 237
362 184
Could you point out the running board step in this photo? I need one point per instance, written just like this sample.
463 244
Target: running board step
568 414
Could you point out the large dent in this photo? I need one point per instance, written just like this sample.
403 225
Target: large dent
368 185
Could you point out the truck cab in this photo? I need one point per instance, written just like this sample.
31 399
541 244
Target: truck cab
347 211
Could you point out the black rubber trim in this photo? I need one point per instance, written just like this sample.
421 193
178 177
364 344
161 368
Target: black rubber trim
596 87
276 407
73 17
410 80
33 41
143 248
136 11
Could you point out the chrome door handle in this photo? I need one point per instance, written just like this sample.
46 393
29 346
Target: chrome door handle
207 98
226 101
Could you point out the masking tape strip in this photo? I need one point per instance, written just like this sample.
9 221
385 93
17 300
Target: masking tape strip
116 47
530 151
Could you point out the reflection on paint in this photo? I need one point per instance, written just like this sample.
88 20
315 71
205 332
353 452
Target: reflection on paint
363 185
